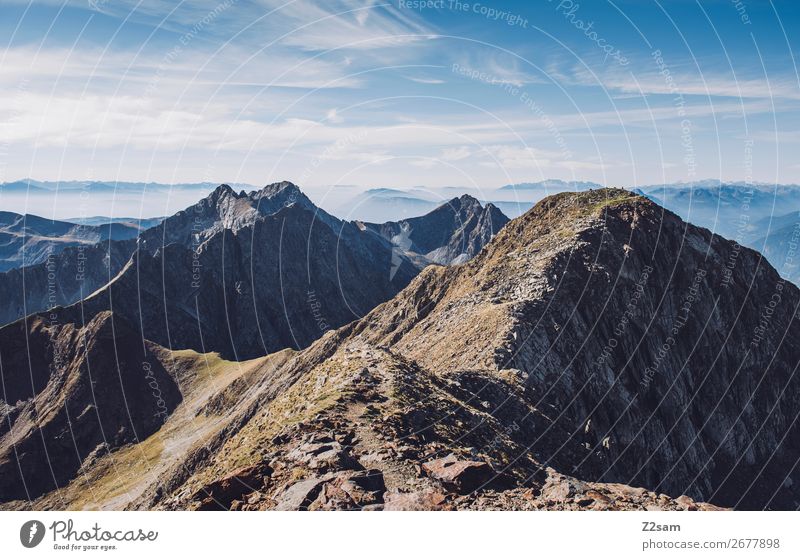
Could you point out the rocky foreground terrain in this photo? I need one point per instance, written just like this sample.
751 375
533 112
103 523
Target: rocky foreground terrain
598 353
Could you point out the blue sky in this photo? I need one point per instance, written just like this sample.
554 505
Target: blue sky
400 94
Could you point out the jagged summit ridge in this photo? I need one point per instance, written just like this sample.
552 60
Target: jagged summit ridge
575 301
450 234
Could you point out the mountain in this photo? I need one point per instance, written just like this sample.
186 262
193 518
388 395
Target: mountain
28 240
453 233
63 279
91 389
598 353
76 273
552 185
598 337
248 274
138 223
780 244
59 199
731 210
96 187
265 283
24 186
383 204
769 224
754 215
241 274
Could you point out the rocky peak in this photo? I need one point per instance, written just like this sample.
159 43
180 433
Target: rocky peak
283 188
225 209
222 190
466 201
628 323
450 234
275 196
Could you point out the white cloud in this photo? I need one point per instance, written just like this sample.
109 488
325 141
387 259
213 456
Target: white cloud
318 26
682 81
455 154
332 116
432 81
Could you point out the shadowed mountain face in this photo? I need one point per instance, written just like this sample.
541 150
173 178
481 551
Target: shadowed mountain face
62 279
249 274
72 394
243 274
69 275
28 240
451 234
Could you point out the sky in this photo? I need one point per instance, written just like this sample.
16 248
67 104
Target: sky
400 94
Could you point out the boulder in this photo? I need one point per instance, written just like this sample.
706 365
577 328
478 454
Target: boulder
220 494
423 500
351 490
458 475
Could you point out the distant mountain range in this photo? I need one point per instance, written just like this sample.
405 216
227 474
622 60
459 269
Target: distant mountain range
451 234
27 240
597 352
138 223
391 204
225 254
63 200
33 186
759 216
749 213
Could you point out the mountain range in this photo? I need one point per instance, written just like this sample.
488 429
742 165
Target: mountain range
240 274
760 216
27 240
597 352
450 234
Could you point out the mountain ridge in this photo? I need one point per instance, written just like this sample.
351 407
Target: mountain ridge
450 234
583 359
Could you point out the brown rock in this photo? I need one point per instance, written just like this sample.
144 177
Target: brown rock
300 495
457 475
221 493
351 490
423 500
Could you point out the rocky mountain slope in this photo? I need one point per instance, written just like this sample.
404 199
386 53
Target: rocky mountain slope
28 240
453 233
88 390
248 274
598 353
598 336
63 279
